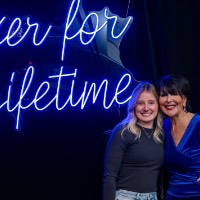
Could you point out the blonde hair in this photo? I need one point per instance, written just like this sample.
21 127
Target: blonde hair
130 121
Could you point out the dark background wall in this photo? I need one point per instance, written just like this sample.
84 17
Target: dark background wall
59 155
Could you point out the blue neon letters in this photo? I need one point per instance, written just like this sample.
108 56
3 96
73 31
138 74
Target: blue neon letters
45 87
17 32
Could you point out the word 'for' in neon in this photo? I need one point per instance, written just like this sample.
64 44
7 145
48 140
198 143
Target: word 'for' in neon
14 31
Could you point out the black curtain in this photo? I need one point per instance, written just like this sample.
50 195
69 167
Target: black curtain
164 39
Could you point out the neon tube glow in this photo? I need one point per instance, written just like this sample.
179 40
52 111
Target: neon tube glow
15 31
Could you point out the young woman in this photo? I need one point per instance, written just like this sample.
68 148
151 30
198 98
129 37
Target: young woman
182 139
134 153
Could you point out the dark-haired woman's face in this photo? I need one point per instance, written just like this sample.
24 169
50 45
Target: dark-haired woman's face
171 104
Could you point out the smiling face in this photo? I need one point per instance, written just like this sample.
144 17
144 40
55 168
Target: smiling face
174 94
146 109
172 104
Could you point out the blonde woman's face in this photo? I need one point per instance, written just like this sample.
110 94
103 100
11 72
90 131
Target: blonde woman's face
146 109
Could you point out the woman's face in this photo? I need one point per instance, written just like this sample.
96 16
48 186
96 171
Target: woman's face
146 109
171 105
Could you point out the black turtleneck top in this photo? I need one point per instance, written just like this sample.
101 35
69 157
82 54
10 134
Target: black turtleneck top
131 164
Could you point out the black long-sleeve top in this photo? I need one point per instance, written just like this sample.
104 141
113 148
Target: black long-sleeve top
131 164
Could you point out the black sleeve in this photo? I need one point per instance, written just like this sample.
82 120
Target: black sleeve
115 149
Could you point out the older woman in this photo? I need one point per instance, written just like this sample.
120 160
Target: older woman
182 139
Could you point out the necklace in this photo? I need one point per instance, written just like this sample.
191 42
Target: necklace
148 134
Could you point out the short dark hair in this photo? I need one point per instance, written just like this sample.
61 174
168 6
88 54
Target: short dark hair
176 85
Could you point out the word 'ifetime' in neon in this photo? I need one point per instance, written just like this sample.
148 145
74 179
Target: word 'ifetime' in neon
89 89
14 35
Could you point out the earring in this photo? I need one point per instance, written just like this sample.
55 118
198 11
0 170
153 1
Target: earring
184 108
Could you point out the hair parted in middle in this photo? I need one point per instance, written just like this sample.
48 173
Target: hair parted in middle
131 120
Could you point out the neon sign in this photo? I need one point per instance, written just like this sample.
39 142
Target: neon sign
45 87
45 95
